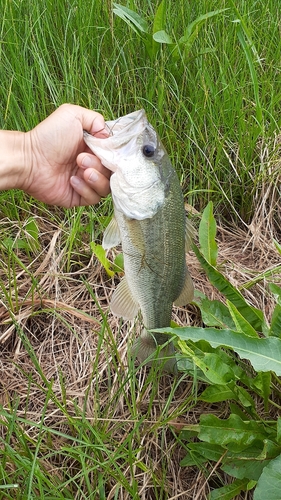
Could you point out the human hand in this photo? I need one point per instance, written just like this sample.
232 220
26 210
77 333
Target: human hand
61 169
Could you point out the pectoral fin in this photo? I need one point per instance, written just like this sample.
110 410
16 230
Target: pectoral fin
111 236
187 292
122 302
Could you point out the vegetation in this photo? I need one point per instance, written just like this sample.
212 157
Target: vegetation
78 418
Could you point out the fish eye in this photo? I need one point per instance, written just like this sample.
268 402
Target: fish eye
148 150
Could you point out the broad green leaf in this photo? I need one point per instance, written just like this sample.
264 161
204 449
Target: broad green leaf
207 234
134 20
276 291
215 370
158 29
200 453
279 430
10 243
119 263
275 327
217 393
184 45
230 491
195 25
236 410
244 397
214 313
100 253
263 353
254 316
262 385
32 229
192 459
269 484
233 432
251 462
241 324
211 365
245 468
159 18
32 232
162 37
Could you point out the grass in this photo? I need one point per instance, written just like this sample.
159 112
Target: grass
212 107
78 418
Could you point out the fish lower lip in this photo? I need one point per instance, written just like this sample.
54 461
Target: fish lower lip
108 129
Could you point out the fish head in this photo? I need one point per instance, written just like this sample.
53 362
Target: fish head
134 154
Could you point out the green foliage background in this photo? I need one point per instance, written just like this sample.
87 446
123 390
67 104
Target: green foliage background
213 91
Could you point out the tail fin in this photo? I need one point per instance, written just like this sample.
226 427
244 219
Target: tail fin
146 347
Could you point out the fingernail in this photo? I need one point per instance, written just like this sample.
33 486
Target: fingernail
75 181
98 123
93 177
86 162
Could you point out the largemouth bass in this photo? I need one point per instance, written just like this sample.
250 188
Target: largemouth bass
150 223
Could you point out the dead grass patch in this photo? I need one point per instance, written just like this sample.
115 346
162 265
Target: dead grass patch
74 342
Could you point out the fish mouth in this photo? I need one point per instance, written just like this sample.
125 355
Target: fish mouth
133 122
122 132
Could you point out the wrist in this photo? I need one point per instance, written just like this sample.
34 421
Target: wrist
15 159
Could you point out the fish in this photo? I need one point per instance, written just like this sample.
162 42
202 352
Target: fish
150 223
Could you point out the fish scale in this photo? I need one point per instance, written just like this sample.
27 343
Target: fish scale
149 221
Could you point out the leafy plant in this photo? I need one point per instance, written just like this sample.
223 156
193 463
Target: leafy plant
27 239
110 267
155 36
245 444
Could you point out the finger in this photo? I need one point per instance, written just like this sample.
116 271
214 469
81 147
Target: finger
92 121
87 194
97 181
85 161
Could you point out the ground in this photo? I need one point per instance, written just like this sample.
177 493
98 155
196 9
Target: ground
56 326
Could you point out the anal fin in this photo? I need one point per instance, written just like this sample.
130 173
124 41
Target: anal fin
122 302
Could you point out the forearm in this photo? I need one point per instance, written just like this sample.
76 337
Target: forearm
14 154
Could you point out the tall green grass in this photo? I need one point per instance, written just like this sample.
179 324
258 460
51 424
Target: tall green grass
213 108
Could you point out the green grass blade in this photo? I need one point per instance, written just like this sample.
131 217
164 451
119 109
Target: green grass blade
253 73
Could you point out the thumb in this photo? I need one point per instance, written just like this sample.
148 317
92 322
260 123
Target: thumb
92 122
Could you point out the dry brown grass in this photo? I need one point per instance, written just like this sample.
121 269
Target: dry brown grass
84 353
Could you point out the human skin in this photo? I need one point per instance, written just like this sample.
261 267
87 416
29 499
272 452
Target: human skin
52 163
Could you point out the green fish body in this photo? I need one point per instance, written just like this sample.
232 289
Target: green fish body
150 223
